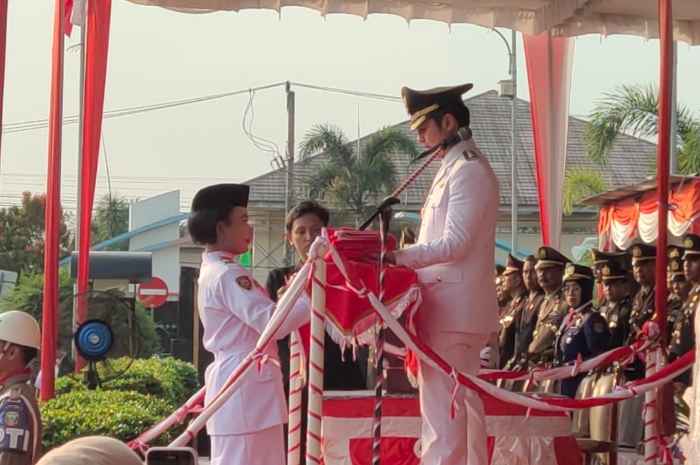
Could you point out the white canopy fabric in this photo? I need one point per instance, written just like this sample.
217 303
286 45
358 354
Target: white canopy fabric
562 17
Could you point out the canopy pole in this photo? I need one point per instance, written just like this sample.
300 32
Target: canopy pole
652 430
662 155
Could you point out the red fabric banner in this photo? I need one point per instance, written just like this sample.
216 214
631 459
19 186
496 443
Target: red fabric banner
52 213
3 48
97 45
549 77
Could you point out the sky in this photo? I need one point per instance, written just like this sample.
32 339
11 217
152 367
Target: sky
158 55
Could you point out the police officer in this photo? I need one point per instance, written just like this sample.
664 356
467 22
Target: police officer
502 296
234 310
683 333
20 420
584 332
618 303
550 271
514 286
601 259
678 288
527 321
644 270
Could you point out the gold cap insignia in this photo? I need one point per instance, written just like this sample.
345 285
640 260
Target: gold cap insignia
688 243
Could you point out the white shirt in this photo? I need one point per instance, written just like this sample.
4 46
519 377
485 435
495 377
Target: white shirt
234 310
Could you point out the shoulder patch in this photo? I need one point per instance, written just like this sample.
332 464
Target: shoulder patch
244 282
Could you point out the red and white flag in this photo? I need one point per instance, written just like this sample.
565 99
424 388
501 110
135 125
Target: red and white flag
74 14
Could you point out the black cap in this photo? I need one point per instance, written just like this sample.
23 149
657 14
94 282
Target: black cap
221 196
499 270
691 245
513 265
548 257
420 103
601 258
643 252
613 271
574 272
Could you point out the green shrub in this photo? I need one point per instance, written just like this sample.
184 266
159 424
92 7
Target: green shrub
169 379
122 415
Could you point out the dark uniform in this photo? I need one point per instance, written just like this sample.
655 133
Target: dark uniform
616 314
601 259
551 312
20 423
584 332
508 321
525 326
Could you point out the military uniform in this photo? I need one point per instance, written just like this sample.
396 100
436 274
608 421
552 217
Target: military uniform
508 322
525 326
551 312
616 314
20 421
600 259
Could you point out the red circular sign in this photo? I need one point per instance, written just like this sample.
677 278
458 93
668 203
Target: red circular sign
153 293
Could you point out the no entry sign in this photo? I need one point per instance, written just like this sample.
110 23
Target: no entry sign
153 293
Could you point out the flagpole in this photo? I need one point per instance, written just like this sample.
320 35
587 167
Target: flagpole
76 234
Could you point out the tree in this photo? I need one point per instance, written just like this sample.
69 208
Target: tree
111 219
635 109
355 181
22 235
580 183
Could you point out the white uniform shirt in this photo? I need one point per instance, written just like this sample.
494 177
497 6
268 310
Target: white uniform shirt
454 253
234 310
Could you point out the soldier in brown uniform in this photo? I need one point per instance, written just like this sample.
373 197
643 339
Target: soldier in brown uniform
678 288
20 421
618 303
527 320
550 271
682 333
515 288
601 259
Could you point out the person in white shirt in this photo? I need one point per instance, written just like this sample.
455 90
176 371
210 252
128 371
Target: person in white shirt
234 310
454 260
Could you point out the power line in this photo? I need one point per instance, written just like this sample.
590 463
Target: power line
32 125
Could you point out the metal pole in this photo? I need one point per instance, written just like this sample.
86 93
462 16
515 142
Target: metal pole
289 198
76 233
513 150
674 113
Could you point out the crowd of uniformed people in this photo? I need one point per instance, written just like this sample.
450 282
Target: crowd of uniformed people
554 312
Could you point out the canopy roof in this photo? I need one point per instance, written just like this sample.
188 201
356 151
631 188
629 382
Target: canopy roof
562 17
634 190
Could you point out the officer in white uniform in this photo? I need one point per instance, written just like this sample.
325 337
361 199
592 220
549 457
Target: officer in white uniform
454 259
234 310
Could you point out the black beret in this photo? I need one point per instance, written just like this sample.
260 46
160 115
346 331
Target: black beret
220 196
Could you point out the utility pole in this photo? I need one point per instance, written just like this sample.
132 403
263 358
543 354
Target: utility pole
513 152
289 198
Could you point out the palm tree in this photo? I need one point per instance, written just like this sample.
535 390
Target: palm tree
635 109
580 183
354 181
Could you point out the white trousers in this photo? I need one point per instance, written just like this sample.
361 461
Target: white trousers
460 440
265 447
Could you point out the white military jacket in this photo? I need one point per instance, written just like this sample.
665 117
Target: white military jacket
454 253
234 310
